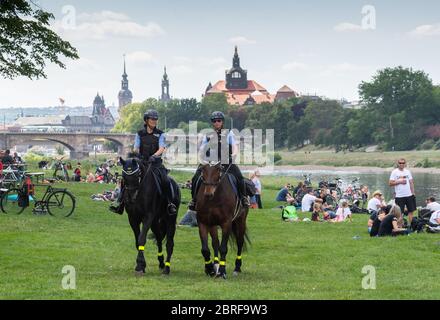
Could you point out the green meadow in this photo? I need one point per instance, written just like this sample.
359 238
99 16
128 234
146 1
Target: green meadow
302 260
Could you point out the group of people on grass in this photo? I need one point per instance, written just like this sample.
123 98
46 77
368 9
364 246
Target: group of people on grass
385 218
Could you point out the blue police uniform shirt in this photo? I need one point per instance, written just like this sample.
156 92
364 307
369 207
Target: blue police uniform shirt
137 141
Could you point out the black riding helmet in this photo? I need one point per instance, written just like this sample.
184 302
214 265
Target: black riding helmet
217 115
151 114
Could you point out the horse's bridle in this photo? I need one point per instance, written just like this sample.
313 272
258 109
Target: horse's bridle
222 175
139 177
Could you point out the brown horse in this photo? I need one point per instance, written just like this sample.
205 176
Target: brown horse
218 205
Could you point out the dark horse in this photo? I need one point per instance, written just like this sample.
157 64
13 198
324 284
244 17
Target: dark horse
218 205
145 205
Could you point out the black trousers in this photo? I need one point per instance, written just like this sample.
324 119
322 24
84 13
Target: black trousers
233 169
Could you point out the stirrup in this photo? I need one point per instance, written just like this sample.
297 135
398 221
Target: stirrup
119 209
245 202
192 205
172 209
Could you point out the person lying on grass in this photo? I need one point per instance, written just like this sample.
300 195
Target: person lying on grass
343 213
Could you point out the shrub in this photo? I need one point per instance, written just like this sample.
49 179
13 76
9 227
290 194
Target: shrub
427 145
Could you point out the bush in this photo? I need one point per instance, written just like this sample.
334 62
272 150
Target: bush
427 145
33 157
277 157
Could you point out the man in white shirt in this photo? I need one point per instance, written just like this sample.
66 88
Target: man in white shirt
435 219
307 201
432 205
403 183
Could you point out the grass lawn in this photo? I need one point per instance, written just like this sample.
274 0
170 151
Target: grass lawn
285 261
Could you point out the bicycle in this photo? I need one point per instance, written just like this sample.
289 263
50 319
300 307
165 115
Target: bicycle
61 166
307 179
55 201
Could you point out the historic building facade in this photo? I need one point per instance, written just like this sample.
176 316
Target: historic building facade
241 91
124 96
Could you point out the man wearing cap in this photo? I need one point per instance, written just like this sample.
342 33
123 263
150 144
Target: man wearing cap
149 145
218 120
403 183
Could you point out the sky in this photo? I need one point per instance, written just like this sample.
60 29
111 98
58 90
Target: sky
314 47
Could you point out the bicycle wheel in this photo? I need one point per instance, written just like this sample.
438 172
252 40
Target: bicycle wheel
61 204
10 202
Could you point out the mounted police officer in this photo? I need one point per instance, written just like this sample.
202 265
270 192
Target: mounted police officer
225 144
150 145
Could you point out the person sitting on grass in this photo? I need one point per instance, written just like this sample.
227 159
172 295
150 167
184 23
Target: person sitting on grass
308 200
90 177
285 196
317 211
392 224
375 203
343 213
431 204
374 222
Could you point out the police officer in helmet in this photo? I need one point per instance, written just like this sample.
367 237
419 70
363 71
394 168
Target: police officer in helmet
150 145
218 120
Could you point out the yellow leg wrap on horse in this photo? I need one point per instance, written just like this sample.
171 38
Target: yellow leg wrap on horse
208 262
141 248
222 263
216 259
238 257
160 254
167 264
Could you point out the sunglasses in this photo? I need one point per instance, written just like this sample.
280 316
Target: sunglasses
402 162
216 120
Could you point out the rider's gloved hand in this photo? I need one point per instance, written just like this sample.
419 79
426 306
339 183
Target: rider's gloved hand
152 159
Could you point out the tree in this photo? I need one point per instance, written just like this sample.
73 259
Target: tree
404 103
211 103
26 42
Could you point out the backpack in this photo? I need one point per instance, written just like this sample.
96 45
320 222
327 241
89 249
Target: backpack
289 212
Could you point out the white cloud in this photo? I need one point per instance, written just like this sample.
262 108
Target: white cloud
426 30
105 25
180 69
241 40
140 57
294 66
103 16
348 27
208 62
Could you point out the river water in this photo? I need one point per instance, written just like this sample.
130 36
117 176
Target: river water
426 184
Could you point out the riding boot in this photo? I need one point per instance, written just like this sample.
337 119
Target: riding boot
242 190
118 205
194 189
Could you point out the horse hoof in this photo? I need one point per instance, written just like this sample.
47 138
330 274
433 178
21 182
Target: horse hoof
221 275
139 273
216 267
236 273
161 266
166 271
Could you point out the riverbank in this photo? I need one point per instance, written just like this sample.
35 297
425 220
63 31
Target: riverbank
383 160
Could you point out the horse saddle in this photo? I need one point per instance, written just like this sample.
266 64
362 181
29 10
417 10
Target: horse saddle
160 176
